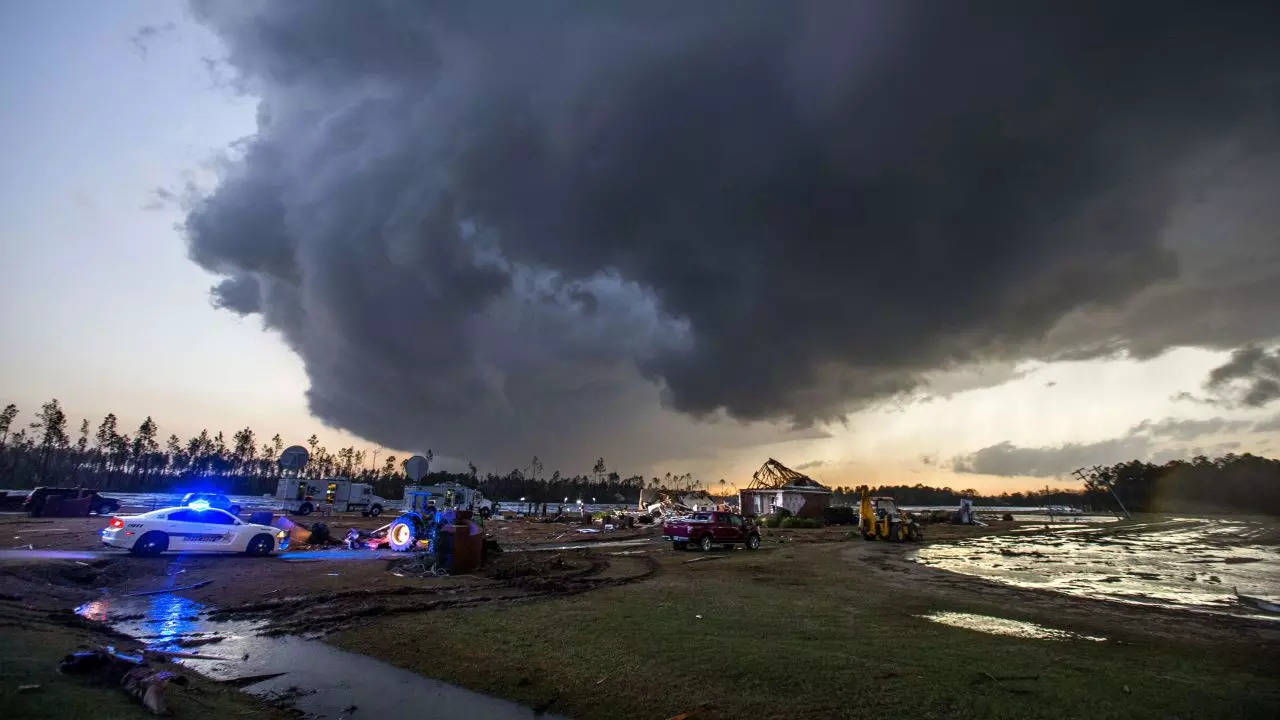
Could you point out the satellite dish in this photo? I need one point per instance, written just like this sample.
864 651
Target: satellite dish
294 457
416 467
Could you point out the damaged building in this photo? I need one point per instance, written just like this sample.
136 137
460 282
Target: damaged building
776 486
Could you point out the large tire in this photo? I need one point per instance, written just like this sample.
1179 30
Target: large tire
261 545
305 508
895 532
485 512
402 536
753 542
677 545
375 511
705 543
151 543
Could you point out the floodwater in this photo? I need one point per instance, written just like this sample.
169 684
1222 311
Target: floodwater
1003 626
1185 563
319 679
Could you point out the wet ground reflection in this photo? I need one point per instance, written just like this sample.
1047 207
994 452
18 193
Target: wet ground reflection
1003 626
1183 562
321 680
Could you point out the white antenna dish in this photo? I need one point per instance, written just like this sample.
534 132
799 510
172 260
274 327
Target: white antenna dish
294 457
416 467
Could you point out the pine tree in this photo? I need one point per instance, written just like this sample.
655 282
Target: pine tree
6 421
51 425
244 450
83 442
106 431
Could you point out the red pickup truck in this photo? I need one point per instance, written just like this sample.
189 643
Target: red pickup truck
705 529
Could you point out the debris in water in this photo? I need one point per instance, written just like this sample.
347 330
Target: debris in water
28 688
194 642
1003 626
247 680
1257 602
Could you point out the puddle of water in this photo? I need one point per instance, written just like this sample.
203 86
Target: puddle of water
333 679
49 555
1183 563
1003 626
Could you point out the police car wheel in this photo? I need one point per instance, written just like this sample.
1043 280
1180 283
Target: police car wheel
260 545
151 543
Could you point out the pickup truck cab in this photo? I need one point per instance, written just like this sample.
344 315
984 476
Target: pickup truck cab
704 529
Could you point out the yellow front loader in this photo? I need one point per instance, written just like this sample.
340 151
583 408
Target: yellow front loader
879 517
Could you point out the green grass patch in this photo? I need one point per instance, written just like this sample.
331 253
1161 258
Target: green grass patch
754 635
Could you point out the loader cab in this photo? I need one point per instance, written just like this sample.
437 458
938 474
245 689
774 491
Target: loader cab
884 507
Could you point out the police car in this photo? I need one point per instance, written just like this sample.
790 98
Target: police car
193 528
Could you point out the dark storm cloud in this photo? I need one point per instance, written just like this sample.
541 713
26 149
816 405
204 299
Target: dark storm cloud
484 221
1145 441
1250 378
1008 459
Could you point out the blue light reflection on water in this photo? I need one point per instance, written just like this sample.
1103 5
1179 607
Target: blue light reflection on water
166 618
169 617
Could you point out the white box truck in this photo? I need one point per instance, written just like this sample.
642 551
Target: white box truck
302 497
454 495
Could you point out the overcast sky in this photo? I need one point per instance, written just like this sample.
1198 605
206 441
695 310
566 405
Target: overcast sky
882 241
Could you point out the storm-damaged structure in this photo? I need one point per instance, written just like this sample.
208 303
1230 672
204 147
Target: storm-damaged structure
661 503
777 487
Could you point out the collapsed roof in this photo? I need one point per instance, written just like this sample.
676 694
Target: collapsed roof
773 475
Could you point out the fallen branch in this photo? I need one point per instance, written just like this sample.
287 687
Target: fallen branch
186 655
984 675
169 590
705 557
247 680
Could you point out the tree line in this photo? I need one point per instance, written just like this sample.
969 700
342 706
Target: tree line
919 494
106 457
47 452
1232 483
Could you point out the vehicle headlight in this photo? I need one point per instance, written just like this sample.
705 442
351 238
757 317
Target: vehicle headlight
282 534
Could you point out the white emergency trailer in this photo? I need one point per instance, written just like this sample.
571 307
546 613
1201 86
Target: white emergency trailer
302 496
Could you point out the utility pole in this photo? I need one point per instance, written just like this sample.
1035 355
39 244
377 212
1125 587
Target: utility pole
1094 477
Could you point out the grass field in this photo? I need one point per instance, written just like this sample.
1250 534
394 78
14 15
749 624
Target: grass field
805 632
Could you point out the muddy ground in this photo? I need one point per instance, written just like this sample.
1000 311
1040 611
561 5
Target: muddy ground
323 571
372 598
